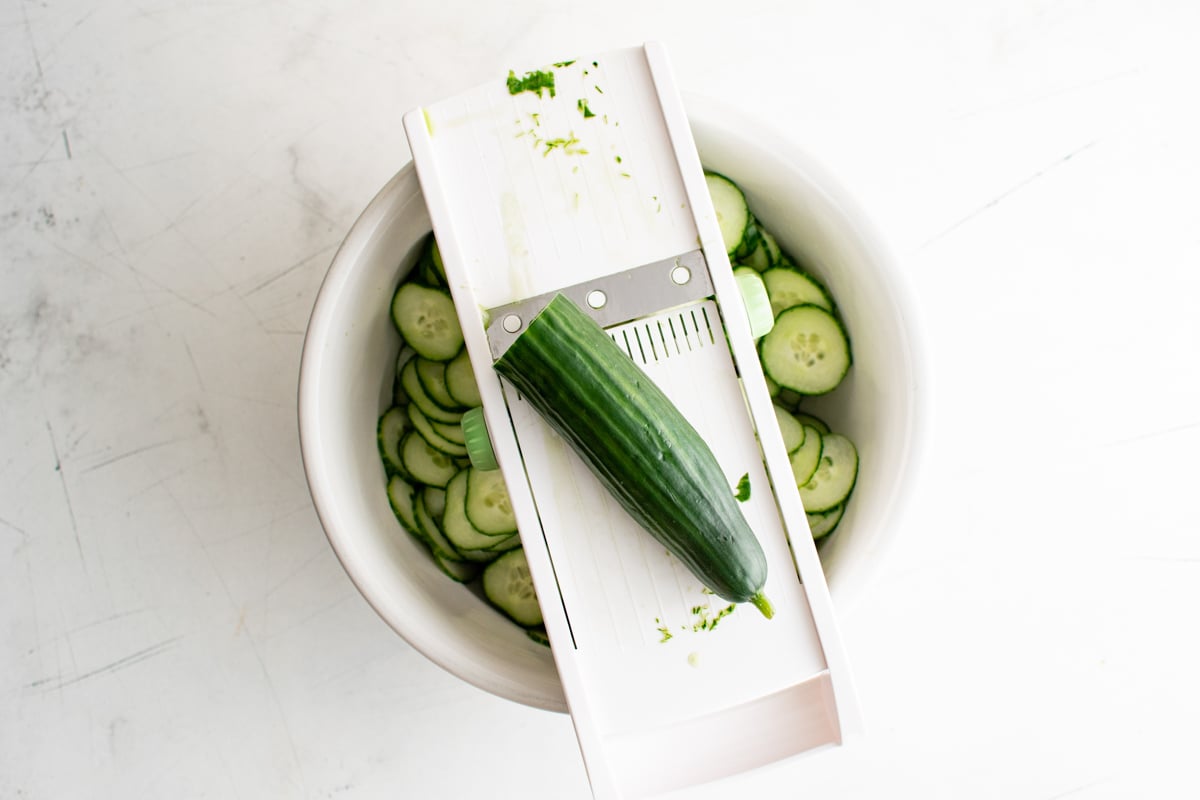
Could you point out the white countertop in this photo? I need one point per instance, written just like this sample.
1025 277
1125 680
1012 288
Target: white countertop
175 178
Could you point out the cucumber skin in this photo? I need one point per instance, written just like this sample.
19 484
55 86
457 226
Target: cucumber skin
639 446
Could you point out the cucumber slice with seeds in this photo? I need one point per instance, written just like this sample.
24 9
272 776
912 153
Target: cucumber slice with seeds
807 351
427 320
402 498
487 504
509 586
835 475
457 526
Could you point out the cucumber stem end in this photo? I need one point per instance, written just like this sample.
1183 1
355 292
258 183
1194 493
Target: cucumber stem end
761 602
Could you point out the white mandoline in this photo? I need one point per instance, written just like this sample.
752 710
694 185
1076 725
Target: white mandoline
537 192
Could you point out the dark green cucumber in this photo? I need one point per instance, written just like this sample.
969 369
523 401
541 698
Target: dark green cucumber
639 446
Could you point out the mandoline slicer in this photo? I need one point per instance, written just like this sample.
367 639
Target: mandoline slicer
592 187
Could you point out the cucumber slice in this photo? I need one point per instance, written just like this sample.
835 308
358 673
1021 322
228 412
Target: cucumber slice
835 475
461 571
488 506
460 381
807 456
773 252
399 395
807 351
432 375
401 497
393 424
427 320
822 523
425 428
450 430
509 586
424 463
538 635
791 428
813 422
733 215
421 399
434 499
457 526
431 531
429 267
789 287
759 258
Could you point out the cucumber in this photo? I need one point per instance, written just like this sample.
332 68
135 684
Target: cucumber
421 399
804 459
460 381
427 320
813 422
733 215
425 428
431 531
638 444
789 287
508 585
450 430
465 537
791 428
835 475
393 424
461 571
807 351
823 523
423 463
487 504
432 375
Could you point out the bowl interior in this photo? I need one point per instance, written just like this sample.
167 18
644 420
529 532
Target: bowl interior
346 384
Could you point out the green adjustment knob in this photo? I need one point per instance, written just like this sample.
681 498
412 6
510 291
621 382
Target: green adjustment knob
756 301
479 444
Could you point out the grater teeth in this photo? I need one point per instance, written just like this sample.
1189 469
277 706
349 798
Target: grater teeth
622 297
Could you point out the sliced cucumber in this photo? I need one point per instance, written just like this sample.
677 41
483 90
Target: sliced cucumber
488 506
460 381
733 215
835 475
425 428
807 351
813 422
792 430
424 463
538 635
421 399
427 320
432 532
401 496
393 424
399 395
461 571
434 499
822 523
789 287
773 252
759 258
807 456
432 375
457 526
509 586
450 430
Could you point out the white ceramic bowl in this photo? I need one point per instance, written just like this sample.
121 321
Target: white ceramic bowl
346 382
